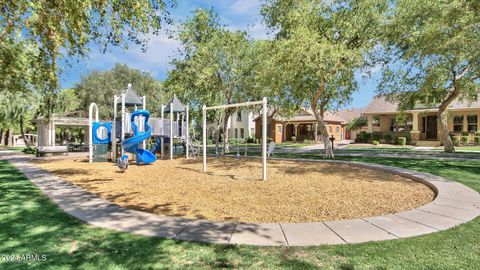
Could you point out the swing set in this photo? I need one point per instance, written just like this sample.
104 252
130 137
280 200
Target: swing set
263 102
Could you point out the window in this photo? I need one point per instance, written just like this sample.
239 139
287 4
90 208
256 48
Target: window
472 123
337 130
279 129
242 133
252 131
393 125
458 123
330 129
239 116
236 133
376 121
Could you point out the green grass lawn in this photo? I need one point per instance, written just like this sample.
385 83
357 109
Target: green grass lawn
467 148
31 224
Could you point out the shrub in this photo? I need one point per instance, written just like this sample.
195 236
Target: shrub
307 141
476 140
294 139
402 141
375 142
376 137
409 139
236 141
363 137
465 140
269 140
387 138
250 140
456 140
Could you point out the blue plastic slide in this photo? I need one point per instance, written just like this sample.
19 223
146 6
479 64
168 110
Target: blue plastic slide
130 145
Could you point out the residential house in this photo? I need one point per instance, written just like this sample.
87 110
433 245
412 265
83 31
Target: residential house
240 125
420 123
303 126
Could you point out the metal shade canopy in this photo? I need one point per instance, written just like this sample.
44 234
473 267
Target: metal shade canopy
131 97
176 106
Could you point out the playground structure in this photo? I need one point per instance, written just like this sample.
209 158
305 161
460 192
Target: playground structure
134 126
264 104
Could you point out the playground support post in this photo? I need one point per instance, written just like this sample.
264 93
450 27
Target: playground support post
264 139
144 99
162 150
204 135
171 131
92 107
123 122
114 128
187 135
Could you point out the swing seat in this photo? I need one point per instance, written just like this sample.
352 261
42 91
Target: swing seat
271 148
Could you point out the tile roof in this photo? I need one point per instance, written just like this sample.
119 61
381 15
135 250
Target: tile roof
381 105
342 116
349 114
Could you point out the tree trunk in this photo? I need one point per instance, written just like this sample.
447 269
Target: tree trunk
9 137
1 136
320 95
217 138
324 134
442 120
22 131
226 148
442 115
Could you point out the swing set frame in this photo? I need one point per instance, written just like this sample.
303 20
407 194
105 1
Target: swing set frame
263 102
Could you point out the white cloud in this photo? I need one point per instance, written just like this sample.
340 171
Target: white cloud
160 50
245 6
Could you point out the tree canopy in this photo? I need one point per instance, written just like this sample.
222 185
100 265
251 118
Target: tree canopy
35 34
434 53
101 86
318 48
214 67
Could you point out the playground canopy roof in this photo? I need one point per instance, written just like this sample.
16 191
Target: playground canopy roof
177 106
131 98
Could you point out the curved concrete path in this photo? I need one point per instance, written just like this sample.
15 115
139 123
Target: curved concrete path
454 204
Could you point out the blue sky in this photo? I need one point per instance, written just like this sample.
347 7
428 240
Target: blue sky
236 14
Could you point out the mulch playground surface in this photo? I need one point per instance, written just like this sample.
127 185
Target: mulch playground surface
296 191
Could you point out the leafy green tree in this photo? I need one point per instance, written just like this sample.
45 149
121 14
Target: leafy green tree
214 66
318 48
435 51
66 101
17 111
357 123
50 29
101 86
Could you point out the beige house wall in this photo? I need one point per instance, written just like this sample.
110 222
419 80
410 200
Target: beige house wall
421 134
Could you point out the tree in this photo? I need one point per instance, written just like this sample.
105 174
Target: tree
101 86
213 67
318 48
17 111
66 101
435 55
54 28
